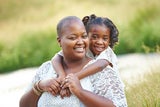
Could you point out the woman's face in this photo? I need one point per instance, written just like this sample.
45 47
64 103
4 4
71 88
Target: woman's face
99 38
74 40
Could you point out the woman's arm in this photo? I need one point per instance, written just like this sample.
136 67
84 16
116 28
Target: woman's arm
89 99
29 99
93 68
92 100
39 85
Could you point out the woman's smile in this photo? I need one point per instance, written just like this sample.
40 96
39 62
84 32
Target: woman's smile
79 49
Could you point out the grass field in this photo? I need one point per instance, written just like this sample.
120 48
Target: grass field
146 93
27 27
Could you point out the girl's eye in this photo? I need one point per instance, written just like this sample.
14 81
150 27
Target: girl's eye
94 36
106 39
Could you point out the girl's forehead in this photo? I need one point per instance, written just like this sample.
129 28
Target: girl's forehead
98 27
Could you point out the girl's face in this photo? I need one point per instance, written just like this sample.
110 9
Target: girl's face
99 38
74 41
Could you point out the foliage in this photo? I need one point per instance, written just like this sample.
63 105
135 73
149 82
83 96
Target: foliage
142 33
19 18
31 50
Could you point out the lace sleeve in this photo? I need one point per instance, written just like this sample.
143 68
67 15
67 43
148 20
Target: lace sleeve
107 84
107 55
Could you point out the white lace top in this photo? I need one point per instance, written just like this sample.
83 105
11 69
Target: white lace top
110 56
48 100
106 83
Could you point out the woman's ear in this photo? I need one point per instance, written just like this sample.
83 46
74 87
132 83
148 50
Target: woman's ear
59 41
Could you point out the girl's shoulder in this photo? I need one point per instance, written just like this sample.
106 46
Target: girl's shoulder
107 54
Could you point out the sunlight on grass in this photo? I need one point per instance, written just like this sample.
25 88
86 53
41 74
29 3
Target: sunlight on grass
147 93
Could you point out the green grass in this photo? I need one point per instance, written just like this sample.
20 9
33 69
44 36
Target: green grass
145 94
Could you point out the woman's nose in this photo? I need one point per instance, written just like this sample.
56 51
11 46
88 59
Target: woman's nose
80 41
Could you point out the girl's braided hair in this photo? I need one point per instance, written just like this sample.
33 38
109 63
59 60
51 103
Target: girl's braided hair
93 19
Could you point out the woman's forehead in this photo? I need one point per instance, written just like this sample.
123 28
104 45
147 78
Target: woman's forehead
65 22
75 26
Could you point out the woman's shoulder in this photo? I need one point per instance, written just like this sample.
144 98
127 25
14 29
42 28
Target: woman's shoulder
45 65
45 68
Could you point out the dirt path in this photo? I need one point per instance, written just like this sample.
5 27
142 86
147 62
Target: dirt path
132 68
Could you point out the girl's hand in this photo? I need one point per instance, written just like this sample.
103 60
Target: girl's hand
72 82
61 78
51 85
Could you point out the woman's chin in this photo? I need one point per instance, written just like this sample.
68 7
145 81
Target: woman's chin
80 55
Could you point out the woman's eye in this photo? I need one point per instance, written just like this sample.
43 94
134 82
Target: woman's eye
72 38
85 36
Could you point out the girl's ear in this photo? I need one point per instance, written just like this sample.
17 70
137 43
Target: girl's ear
59 41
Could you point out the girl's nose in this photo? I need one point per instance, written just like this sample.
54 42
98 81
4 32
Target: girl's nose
99 41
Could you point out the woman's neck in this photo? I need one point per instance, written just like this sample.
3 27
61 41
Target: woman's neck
74 65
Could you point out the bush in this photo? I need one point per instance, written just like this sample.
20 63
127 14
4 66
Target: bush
142 33
31 50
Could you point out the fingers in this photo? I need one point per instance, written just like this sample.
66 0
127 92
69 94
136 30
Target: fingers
52 91
65 93
68 92
56 84
64 82
52 85
55 87
69 80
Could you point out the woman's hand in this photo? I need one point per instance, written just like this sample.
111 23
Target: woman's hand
65 93
51 85
72 82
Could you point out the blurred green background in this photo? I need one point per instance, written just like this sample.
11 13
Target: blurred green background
28 36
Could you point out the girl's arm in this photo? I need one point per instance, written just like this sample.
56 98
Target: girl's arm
57 64
93 68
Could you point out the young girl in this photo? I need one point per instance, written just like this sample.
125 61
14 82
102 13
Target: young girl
103 35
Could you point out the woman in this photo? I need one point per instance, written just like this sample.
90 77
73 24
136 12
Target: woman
73 39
